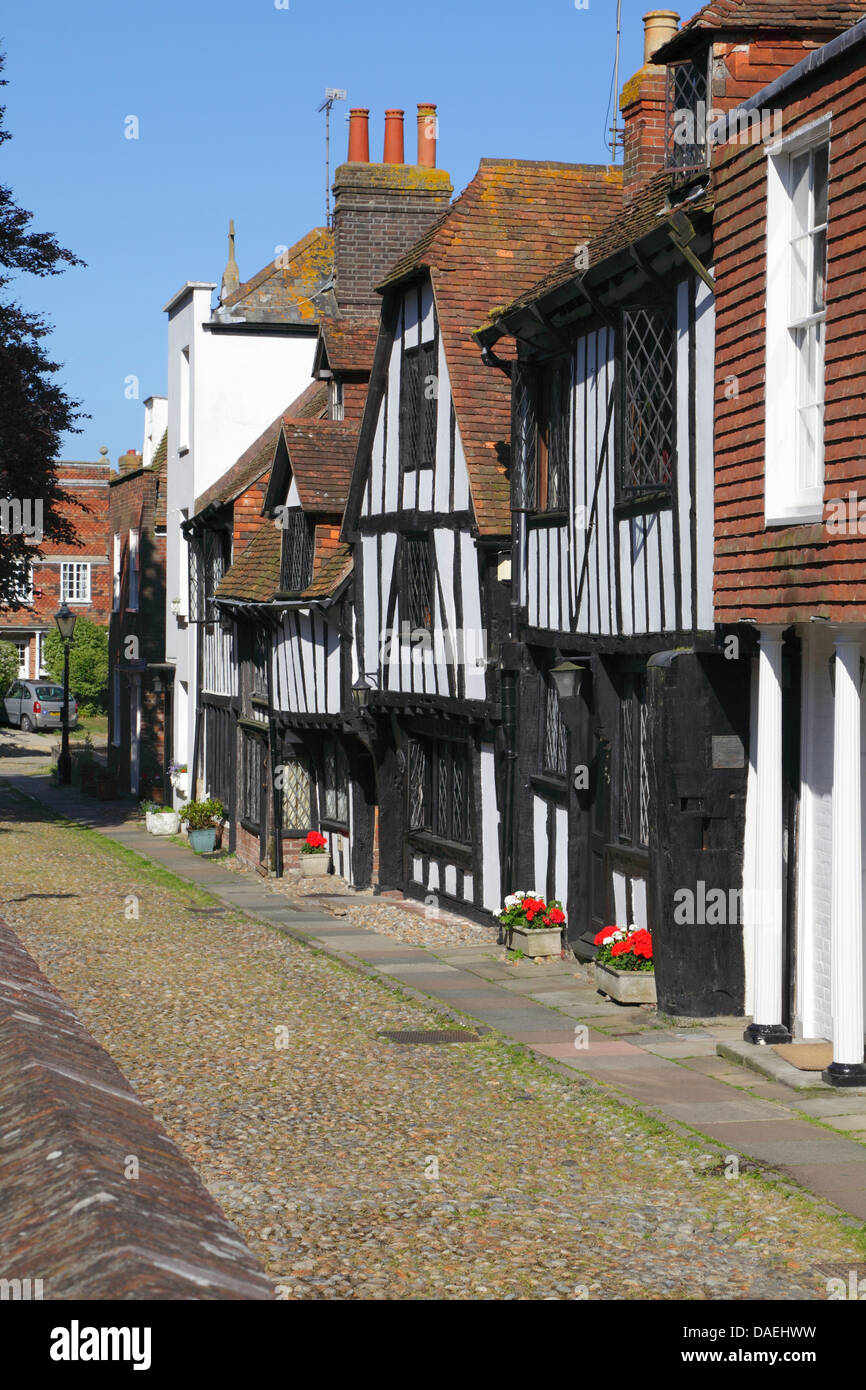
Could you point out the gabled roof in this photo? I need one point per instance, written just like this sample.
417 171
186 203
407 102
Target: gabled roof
257 459
743 15
319 455
514 221
295 287
644 215
346 344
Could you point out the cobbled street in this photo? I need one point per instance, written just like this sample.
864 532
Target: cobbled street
356 1167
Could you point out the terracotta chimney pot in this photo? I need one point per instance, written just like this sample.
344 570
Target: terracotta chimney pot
359 135
427 132
658 27
393 136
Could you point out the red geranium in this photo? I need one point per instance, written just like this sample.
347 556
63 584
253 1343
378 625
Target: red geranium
315 840
603 935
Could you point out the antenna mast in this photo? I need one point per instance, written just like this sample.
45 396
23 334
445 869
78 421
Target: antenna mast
332 94
614 132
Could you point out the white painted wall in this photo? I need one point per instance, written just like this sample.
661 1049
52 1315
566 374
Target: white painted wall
155 422
238 383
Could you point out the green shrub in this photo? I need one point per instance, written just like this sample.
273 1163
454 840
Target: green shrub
88 664
8 666
200 815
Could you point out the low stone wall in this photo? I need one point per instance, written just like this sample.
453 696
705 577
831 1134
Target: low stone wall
97 1202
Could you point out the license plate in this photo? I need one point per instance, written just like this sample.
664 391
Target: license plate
55 713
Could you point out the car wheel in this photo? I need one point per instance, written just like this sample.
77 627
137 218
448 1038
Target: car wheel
26 724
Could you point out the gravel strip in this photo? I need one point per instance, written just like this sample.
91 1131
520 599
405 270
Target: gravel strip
360 1168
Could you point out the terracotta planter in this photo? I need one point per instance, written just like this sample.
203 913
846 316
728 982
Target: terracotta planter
88 783
546 941
626 986
106 788
315 865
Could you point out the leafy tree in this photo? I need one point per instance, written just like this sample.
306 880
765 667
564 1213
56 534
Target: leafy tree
88 664
34 410
8 666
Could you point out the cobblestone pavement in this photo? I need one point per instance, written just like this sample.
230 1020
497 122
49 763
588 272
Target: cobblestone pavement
357 1167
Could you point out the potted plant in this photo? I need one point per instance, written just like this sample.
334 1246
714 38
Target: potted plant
199 817
533 926
316 859
178 774
624 968
160 820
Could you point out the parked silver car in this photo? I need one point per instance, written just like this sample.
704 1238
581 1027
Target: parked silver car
37 705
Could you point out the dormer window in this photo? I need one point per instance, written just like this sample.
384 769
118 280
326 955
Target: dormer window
296 568
686 117
209 558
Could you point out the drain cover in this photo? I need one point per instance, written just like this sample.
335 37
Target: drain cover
442 1035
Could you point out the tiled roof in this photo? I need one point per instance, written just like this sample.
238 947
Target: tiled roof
255 575
257 459
321 455
295 287
350 343
765 14
514 221
641 217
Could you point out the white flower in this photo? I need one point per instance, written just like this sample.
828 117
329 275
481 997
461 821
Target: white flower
512 900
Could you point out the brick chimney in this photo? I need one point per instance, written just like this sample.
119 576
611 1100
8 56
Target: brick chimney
380 210
643 107
129 461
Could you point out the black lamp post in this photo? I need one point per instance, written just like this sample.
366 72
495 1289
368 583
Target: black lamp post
65 626
361 692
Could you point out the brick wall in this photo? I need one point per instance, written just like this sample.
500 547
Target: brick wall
76 1223
380 210
790 574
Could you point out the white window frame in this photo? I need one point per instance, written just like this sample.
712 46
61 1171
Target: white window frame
115 603
786 501
75 566
23 666
132 601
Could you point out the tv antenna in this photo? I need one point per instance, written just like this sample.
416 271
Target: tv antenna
613 143
332 94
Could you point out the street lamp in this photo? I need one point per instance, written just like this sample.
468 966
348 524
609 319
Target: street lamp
65 626
568 678
361 692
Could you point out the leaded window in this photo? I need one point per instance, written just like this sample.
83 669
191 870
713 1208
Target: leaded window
554 760
439 789
523 439
251 779
260 655
208 562
633 780
686 117
418 407
648 407
418 581
295 795
335 783
296 568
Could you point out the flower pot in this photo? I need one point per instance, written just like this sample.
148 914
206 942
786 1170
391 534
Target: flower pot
106 787
315 865
203 841
626 986
546 941
157 794
162 822
88 783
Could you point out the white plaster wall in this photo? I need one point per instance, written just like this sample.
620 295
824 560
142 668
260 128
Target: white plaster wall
813 997
239 382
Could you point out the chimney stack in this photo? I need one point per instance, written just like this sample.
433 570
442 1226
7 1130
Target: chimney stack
643 104
382 209
393 137
359 135
129 461
427 132
658 27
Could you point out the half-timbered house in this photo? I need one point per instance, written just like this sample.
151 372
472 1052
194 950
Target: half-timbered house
428 520
630 791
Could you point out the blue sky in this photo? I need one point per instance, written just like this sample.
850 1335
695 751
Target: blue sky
225 92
